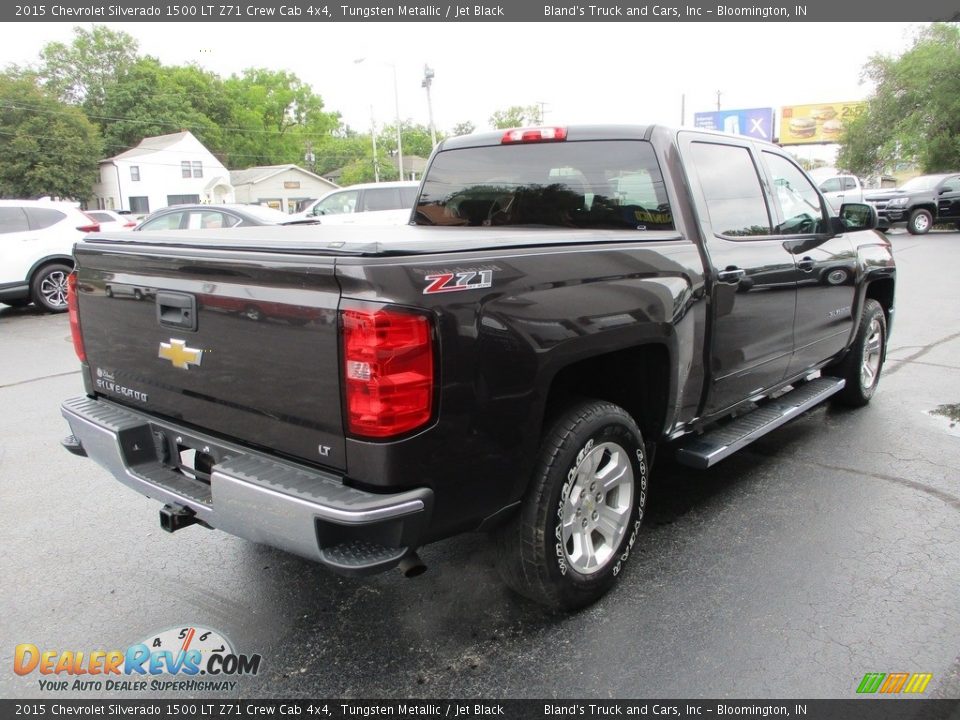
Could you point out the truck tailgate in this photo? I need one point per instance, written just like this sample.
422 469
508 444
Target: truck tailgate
241 343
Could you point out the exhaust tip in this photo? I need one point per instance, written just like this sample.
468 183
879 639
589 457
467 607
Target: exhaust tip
411 565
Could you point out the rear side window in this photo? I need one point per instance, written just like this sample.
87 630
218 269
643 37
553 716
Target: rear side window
731 187
41 218
13 219
608 184
381 199
408 196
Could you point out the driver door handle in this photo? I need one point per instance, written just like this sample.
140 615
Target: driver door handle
731 275
806 265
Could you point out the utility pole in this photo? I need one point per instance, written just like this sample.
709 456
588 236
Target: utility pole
427 82
683 109
373 139
718 100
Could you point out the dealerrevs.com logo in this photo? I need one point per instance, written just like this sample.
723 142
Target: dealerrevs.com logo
894 683
172 660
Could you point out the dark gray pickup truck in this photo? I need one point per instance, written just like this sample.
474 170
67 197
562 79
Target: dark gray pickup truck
565 302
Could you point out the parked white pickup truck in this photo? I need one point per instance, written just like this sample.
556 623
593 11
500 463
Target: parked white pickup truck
841 189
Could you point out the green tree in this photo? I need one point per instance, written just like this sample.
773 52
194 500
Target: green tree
152 99
416 139
516 116
48 147
913 113
274 116
82 71
463 128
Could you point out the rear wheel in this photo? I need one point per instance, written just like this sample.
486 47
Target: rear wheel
582 513
920 222
862 365
49 287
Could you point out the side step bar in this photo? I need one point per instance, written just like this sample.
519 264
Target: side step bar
706 450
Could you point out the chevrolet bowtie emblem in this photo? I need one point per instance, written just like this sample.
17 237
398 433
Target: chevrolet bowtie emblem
177 352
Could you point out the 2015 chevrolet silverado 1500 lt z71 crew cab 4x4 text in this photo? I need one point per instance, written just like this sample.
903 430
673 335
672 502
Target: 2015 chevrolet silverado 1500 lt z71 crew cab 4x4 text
564 302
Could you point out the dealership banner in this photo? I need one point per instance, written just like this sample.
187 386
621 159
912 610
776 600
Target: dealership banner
817 124
755 122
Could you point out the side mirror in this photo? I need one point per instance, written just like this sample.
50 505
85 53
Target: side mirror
855 216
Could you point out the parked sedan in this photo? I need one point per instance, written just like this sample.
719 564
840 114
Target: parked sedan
201 217
110 220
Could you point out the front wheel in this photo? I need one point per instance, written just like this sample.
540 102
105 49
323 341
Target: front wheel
582 513
49 287
920 222
863 362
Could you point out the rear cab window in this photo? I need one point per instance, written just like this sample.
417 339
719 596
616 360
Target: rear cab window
595 184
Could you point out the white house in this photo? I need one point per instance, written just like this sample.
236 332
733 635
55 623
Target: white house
283 187
161 171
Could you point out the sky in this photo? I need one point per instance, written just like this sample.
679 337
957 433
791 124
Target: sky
582 72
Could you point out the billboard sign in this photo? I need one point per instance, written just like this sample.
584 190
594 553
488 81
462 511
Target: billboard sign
821 123
754 122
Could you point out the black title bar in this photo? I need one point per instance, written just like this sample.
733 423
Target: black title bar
281 11
858 709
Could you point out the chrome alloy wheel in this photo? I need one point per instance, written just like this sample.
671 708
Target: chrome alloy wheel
53 287
872 353
596 512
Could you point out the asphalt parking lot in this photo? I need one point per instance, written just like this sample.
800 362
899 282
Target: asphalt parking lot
829 549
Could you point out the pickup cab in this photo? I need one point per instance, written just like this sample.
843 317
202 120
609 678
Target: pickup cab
841 189
566 303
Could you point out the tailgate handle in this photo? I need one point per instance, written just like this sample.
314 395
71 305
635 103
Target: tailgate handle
177 310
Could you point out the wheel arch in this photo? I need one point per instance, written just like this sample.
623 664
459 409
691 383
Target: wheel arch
637 378
49 260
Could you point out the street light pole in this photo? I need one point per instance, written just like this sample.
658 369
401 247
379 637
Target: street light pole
396 104
427 82
373 139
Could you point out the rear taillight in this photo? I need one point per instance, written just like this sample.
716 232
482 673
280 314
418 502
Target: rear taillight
130 224
534 135
92 226
387 371
73 310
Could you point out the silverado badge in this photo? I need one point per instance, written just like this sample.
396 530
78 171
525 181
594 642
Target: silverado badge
177 352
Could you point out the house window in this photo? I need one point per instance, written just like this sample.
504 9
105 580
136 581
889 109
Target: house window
135 173
197 169
185 168
139 205
183 200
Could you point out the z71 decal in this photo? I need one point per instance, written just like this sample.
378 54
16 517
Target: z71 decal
457 281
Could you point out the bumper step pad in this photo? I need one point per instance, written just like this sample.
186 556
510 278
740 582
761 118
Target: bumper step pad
361 558
706 450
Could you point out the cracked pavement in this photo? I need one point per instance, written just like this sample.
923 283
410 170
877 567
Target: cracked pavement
826 550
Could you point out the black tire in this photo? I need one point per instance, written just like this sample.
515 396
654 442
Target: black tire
48 288
532 555
920 222
859 388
